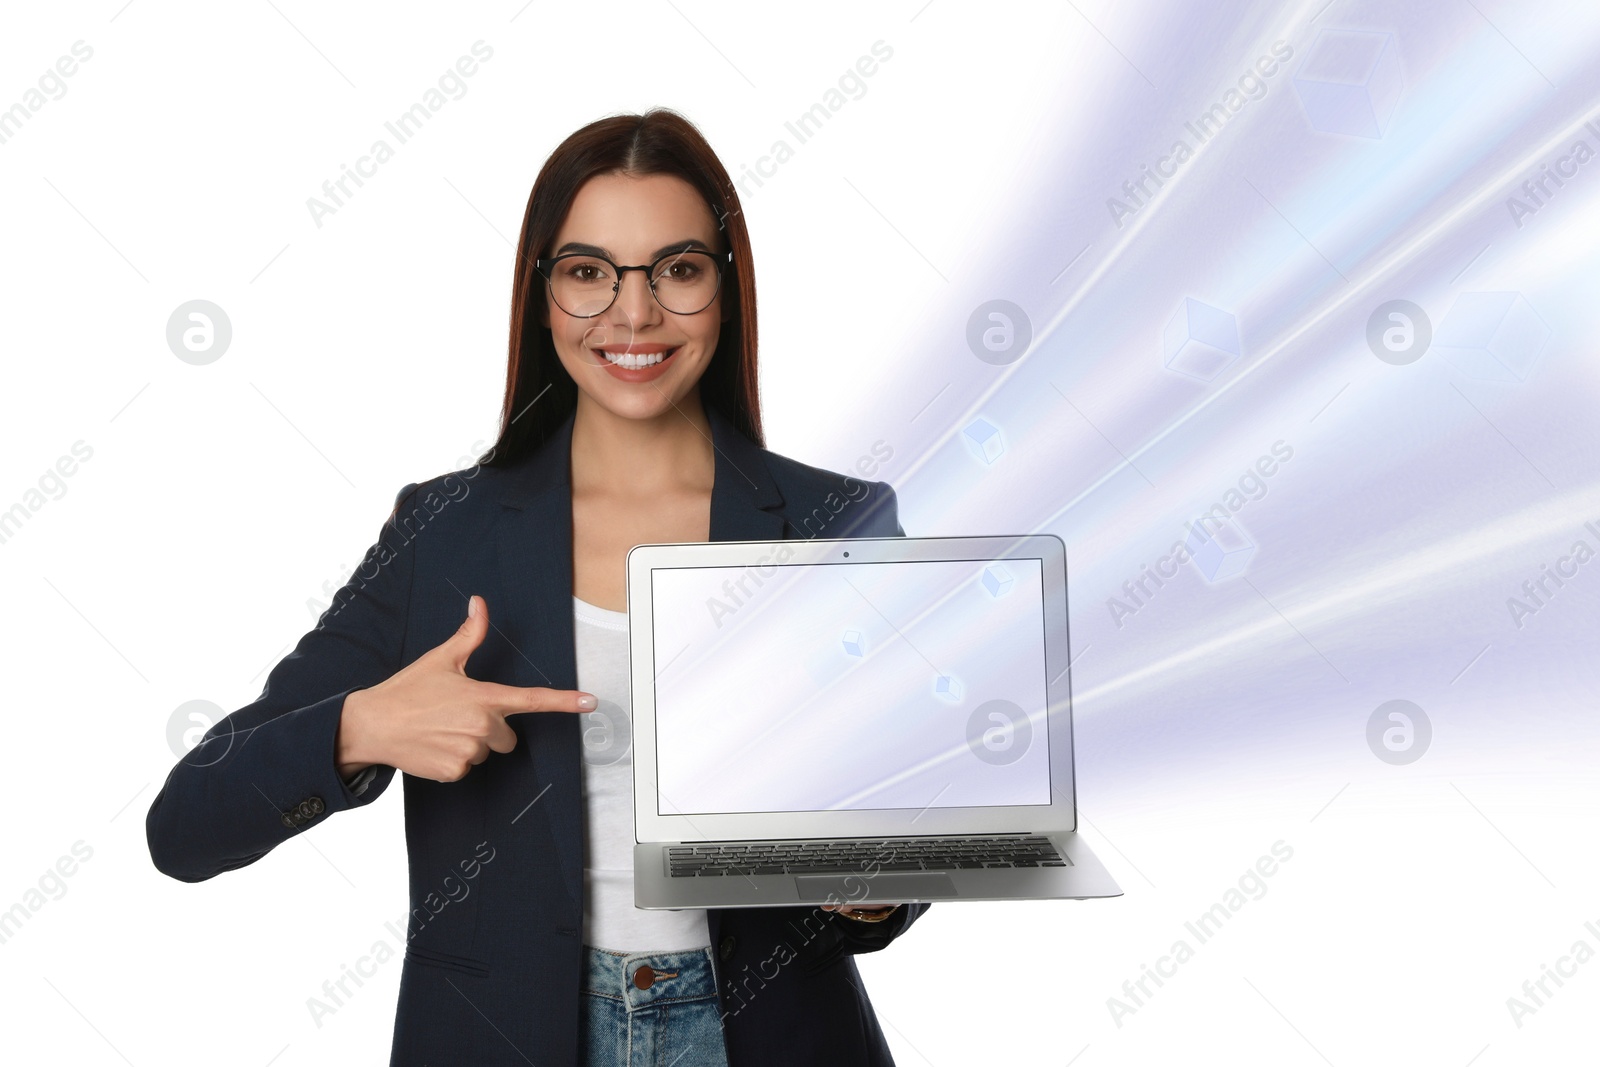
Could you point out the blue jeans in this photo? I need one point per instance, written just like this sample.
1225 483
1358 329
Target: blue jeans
675 1020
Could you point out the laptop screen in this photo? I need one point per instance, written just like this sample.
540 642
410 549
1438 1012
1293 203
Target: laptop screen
850 686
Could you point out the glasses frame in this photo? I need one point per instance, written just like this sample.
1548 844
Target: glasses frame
719 260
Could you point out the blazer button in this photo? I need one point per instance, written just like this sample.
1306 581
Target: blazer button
288 819
306 810
725 949
317 806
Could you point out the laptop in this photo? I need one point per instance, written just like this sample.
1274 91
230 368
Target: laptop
853 721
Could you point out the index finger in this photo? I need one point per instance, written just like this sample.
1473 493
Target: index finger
516 699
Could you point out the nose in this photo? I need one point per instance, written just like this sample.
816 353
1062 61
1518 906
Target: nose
635 303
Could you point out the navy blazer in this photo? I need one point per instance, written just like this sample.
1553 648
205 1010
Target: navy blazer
491 976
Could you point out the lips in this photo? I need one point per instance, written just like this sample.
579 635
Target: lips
637 357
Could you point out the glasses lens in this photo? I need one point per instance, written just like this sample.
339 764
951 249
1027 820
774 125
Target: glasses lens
582 285
686 282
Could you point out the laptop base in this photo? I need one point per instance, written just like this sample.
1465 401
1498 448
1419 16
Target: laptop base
1082 878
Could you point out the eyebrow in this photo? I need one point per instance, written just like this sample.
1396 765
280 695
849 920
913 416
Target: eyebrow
689 244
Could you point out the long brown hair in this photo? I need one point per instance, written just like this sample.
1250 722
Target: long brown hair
660 141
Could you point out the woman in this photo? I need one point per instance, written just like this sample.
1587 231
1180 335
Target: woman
630 416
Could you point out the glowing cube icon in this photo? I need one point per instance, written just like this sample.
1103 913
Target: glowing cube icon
1219 549
947 687
1200 340
1497 337
1350 82
854 643
997 580
983 440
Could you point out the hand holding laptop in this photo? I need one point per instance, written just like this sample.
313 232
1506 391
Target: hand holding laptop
866 915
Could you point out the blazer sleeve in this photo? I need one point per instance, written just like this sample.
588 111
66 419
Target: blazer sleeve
851 937
890 506
876 514
268 771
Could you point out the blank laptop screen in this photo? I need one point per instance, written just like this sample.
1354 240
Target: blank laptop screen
850 686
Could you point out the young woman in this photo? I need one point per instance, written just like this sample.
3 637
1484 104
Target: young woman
630 415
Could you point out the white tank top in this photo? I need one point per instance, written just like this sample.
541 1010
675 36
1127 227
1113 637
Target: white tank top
610 921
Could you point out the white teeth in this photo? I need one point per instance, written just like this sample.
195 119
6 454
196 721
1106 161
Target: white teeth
633 362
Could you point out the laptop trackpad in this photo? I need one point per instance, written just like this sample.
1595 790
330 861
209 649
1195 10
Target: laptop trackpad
885 885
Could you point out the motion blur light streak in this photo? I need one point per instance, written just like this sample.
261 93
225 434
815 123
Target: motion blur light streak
1429 480
1393 579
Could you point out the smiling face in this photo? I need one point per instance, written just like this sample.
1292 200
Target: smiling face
631 220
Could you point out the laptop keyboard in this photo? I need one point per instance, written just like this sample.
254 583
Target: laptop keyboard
711 860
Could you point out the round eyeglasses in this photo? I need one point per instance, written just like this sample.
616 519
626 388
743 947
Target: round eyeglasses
586 285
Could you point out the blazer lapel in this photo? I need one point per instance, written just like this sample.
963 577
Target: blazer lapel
533 545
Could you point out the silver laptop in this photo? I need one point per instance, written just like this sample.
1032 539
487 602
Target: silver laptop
863 721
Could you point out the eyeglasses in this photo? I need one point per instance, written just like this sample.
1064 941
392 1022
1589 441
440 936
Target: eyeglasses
682 282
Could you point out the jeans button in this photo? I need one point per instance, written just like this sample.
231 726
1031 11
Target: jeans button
644 977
